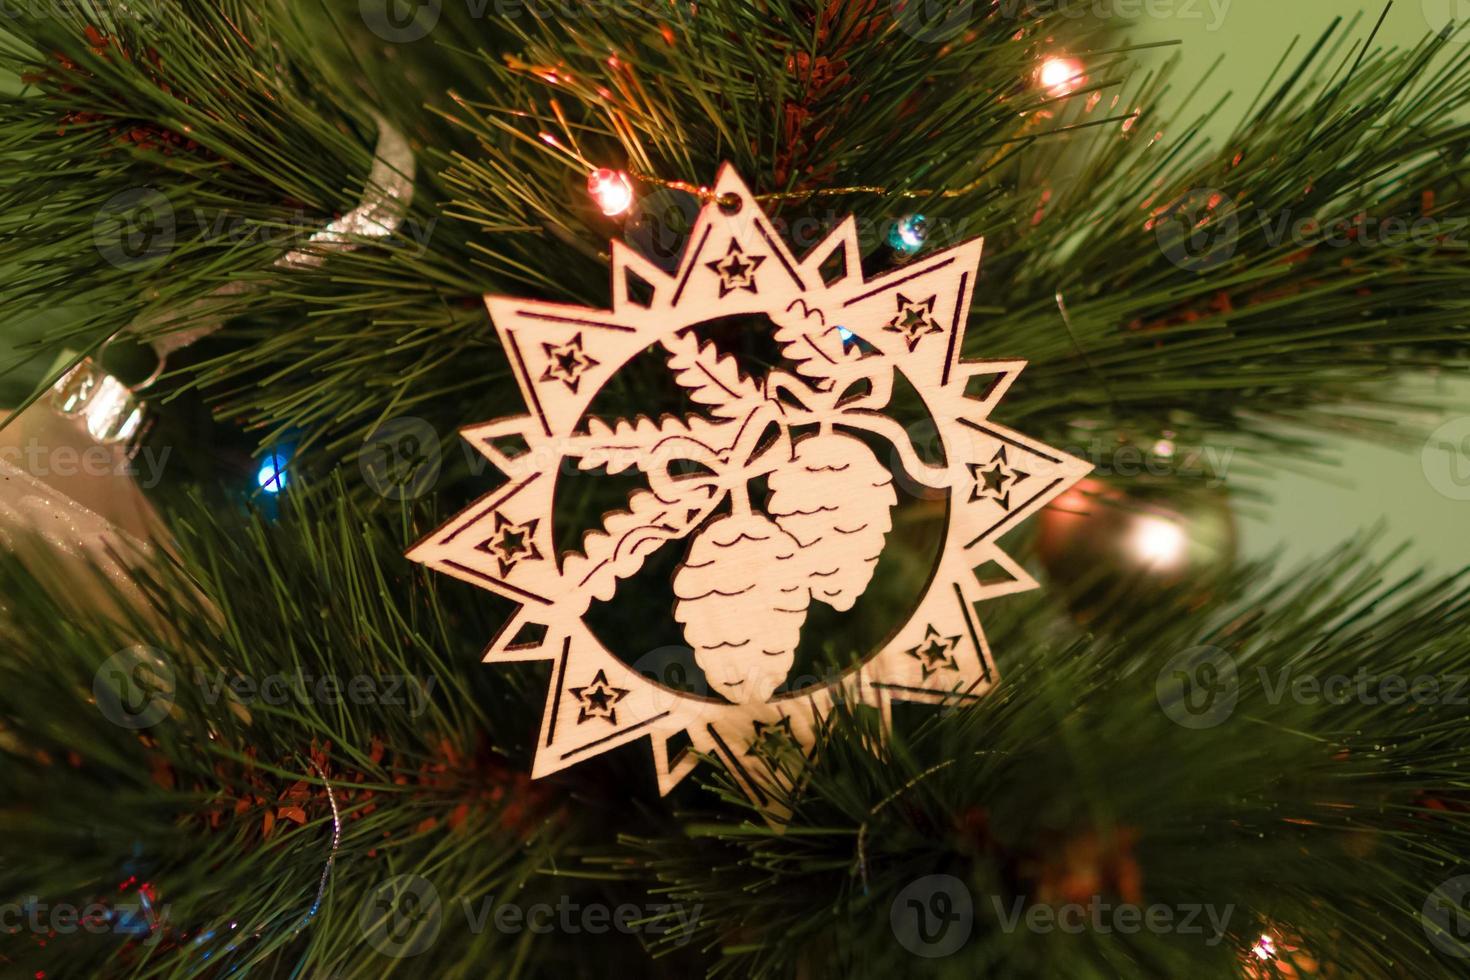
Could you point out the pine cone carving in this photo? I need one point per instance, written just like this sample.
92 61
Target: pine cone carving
742 602
836 500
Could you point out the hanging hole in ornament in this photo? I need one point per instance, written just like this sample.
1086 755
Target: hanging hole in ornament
729 203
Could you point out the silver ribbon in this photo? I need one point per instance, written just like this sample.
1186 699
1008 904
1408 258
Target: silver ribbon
386 199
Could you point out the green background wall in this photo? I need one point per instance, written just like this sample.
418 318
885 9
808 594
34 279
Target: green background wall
1421 492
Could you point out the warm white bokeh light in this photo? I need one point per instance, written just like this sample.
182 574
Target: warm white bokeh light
1060 76
1159 543
612 190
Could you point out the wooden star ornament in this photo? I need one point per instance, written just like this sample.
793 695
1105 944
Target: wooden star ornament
751 566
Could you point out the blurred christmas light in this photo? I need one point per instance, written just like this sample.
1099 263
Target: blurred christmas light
1060 76
845 334
1160 543
612 190
272 475
1279 956
908 234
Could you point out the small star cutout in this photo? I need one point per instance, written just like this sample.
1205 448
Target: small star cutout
598 699
772 739
993 479
512 543
567 362
914 321
935 653
736 270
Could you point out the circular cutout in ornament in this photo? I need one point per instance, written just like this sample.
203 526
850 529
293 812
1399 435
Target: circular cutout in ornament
838 491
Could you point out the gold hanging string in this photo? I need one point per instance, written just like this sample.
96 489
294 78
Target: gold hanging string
1009 148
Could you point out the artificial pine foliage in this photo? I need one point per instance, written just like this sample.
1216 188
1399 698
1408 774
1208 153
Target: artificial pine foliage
244 834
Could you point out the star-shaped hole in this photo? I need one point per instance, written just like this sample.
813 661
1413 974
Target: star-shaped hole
736 269
935 652
772 739
914 320
511 543
598 699
995 480
567 362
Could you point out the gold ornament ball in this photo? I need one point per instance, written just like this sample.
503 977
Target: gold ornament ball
1102 542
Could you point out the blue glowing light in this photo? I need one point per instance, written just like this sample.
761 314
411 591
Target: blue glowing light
845 334
909 233
273 476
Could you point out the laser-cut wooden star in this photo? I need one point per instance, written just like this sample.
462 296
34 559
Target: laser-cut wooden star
599 699
936 652
994 480
819 303
736 269
771 740
567 362
511 543
914 320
